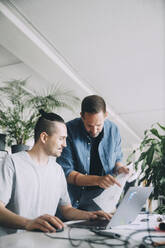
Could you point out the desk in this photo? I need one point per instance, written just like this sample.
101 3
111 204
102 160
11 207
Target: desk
40 240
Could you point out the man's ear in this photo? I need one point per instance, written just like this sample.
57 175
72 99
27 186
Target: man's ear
44 137
81 115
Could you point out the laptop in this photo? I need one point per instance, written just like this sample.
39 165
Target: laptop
127 211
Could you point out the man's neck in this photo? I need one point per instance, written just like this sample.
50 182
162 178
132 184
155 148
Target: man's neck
38 155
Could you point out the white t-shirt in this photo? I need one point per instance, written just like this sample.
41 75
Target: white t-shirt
29 189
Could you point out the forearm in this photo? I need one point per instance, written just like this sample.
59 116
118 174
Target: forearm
10 219
75 214
82 180
79 179
71 213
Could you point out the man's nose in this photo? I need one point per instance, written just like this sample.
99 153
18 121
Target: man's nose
94 130
64 143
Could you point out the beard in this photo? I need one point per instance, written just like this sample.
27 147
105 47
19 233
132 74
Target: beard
94 136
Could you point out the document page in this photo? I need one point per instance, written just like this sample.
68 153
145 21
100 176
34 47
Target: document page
109 198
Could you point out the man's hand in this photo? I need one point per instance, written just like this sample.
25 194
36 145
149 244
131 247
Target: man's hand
99 214
45 223
123 169
106 181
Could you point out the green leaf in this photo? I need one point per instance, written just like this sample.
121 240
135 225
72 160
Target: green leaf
129 159
162 127
144 164
154 131
142 156
150 154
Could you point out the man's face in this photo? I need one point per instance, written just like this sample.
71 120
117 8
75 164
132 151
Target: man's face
94 123
57 141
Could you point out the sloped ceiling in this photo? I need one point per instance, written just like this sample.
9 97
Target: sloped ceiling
7 58
114 48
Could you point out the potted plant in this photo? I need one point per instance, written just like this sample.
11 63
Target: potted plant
15 112
152 160
2 141
19 109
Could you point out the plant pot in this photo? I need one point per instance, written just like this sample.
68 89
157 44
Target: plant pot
19 148
2 141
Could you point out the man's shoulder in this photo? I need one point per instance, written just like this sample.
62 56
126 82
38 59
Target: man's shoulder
15 160
109 123
18 156
55 164
73 121
110 126
74 124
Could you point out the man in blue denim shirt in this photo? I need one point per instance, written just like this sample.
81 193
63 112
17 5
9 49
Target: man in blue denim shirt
92 155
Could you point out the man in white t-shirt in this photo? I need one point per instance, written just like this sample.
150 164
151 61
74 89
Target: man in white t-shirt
32 184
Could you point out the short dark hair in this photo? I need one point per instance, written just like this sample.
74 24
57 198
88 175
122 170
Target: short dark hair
46 123
93 104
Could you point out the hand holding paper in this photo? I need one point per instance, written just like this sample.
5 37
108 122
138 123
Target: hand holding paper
109 198
107 181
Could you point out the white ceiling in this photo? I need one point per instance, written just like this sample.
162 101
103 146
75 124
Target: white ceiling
7 58
114 48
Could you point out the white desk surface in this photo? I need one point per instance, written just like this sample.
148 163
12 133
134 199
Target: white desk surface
40 240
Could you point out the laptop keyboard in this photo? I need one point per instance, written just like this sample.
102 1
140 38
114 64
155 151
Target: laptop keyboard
98 224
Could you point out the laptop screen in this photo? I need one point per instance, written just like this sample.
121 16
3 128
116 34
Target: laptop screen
127 211
130 206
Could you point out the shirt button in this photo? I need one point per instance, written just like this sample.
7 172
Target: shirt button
77 201
89 143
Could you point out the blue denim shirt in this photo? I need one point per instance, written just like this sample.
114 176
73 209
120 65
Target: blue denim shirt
76 156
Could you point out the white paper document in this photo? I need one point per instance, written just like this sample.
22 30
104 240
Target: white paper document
109 198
